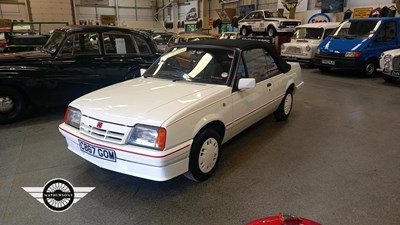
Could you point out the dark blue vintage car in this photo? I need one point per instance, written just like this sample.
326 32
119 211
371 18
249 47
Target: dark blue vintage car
76 60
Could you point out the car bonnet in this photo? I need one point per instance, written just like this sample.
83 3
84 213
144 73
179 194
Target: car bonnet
142 100
342 44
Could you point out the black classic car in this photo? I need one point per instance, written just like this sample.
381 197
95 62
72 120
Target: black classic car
76 60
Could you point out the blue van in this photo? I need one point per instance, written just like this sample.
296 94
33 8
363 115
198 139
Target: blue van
358 43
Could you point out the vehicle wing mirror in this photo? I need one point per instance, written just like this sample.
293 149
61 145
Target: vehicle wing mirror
246 83
142 71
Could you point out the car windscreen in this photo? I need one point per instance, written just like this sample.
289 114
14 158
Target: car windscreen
272 15
356 28
202 65
308 33
162 39
200 38
54 41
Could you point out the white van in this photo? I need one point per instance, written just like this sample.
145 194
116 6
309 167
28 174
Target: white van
305 41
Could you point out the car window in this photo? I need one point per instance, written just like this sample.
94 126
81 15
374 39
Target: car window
251 15
85 44
172 41
260 65
81 44
387 32
116 43
328 32
67 48
54 41
258 15
197 64
142 46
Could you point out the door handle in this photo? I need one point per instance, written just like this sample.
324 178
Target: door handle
269 84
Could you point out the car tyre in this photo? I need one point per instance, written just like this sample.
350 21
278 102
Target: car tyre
390 79
13 105
245 31
369 68
204 155
285 108
271 32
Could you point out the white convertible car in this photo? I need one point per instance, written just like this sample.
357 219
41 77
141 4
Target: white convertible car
173 119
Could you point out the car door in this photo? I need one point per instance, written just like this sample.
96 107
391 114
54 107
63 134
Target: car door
124 55
251 105
259 22
250 19
75 67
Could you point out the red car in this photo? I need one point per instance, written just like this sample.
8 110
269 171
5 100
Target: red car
283 220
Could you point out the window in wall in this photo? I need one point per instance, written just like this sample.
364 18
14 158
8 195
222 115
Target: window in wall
121 44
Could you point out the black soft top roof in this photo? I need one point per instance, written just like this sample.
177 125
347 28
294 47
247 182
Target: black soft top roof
242 45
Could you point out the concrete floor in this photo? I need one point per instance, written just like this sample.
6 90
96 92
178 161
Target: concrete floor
336 161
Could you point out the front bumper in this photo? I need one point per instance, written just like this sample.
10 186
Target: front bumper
132 160
392 73
296 59
340 63
285 30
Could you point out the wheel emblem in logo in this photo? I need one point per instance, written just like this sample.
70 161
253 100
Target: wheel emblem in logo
58 194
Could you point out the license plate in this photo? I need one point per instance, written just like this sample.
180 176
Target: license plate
97 152
396 73
328 62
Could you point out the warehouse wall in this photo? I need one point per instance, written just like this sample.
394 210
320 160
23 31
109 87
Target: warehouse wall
51 11
14 11
131 13
361 3
140 13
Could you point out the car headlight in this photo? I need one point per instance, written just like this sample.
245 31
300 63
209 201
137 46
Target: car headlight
148 136
282 46
386 65
318 50
308 48
73 117
352 54
387 58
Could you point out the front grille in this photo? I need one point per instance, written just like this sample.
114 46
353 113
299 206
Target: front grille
102 134
396 63
290 24
331 54
293 50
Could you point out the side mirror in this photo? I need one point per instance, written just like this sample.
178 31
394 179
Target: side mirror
246 83
142 71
